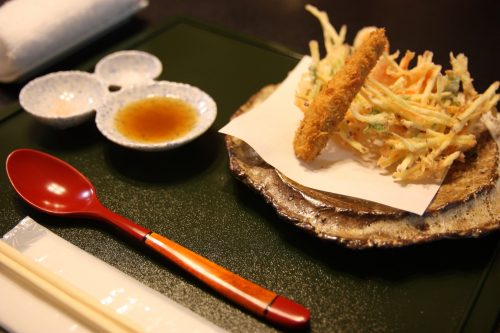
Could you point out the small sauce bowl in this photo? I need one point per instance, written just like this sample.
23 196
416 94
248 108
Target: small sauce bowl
127 68
63 99
203 105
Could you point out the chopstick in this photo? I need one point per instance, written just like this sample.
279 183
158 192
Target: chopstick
82 307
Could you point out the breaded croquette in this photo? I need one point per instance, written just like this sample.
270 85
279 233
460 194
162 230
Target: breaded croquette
330 105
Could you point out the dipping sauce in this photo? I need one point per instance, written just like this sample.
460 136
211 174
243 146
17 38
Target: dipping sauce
156 119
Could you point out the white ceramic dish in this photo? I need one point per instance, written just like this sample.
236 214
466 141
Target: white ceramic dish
128 68
63 99
204 105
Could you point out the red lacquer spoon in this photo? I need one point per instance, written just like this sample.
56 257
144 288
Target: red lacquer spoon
55 187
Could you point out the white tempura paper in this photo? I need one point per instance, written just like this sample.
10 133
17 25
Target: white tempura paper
269 128
24 311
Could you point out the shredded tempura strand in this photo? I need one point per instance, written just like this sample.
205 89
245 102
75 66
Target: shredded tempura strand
414 120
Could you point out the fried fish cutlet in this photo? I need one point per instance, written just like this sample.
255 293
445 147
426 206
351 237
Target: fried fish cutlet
330 105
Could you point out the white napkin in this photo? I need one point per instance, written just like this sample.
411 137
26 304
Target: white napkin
34 32
24 311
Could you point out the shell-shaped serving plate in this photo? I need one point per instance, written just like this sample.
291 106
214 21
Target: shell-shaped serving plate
466 205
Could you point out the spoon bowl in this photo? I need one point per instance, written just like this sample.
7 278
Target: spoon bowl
66 191
55 187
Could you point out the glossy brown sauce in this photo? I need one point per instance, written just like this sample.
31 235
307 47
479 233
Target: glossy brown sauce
156 119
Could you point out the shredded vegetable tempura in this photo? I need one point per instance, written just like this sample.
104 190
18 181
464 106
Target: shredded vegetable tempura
414 120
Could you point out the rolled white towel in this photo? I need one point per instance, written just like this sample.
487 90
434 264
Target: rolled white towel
34 32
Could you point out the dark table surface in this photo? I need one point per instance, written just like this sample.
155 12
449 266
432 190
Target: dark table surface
469 27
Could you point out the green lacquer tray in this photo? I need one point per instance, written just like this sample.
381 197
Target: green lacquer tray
190 196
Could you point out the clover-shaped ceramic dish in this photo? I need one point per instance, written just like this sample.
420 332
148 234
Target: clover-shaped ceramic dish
65 99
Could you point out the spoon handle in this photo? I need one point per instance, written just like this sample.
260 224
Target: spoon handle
276 308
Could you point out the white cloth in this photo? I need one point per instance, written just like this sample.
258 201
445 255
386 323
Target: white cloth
22 310
34 32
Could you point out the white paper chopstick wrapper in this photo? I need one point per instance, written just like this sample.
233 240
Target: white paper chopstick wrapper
269 128
35 32
23 311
